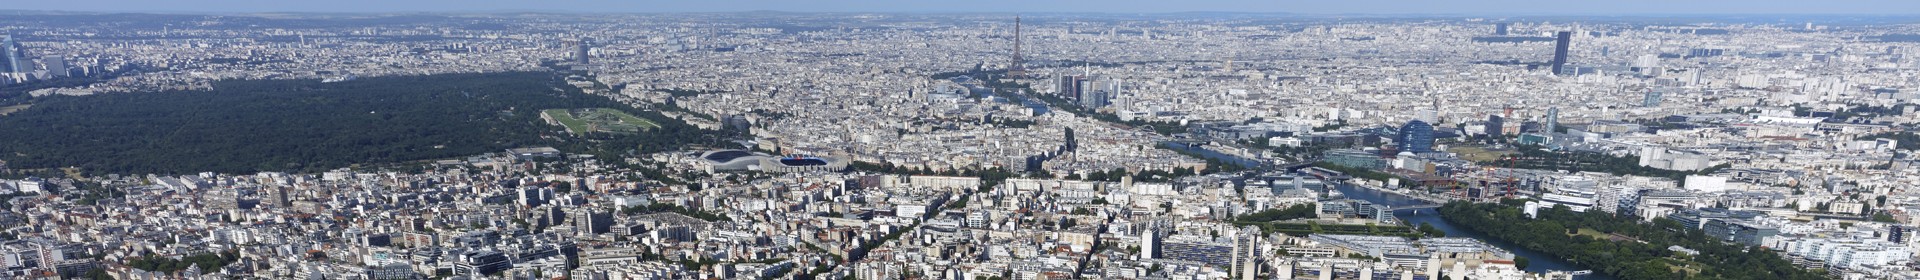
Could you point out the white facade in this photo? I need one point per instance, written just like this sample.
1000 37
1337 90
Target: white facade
1852 254
1706 183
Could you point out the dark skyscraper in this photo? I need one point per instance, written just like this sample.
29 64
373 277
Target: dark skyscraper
1069 86
1500 29
1495 124
1416 136
1560 50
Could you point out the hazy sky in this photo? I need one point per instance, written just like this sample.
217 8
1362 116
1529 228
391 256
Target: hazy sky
1515 7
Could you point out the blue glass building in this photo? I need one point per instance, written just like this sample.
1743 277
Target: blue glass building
1416 136
11 51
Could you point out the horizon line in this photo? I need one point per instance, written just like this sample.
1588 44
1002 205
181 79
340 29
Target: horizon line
537 11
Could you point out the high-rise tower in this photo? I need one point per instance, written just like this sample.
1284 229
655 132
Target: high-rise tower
13 55
1495 126
1553 119
1150 241
580 52
1416 136
1560 51
1246 253
1016 69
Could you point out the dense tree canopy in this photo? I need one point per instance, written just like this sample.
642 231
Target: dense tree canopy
1631 250
1297 211
1536 157
207 262
307 125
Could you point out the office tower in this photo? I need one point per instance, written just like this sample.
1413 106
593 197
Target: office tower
1651 100
1246 253
1560 50
13 55
1096 94
56 66
1096 99
1500 29
1069 86
1416 136
592 221
1897 233
1495 124
1084 87
580 52
1553 119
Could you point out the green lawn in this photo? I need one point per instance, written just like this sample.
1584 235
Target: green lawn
1477 154
573 125
630 119
15 108
599 120
1595 234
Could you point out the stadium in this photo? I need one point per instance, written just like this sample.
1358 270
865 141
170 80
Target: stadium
739 160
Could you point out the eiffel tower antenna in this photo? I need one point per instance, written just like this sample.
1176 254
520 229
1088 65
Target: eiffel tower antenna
1016 70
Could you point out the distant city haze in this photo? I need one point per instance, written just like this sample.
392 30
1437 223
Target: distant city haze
1486 7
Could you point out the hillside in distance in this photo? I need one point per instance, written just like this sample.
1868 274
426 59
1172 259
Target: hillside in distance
304 125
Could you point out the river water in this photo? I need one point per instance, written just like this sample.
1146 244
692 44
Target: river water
1538 262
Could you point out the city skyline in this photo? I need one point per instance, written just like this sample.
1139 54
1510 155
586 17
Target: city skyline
985 142
1360 7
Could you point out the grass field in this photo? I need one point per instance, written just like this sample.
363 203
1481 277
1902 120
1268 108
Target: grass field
598 120
1477 154
565 119
1595 234
15 108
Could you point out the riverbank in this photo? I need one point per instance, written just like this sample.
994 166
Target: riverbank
1541 262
